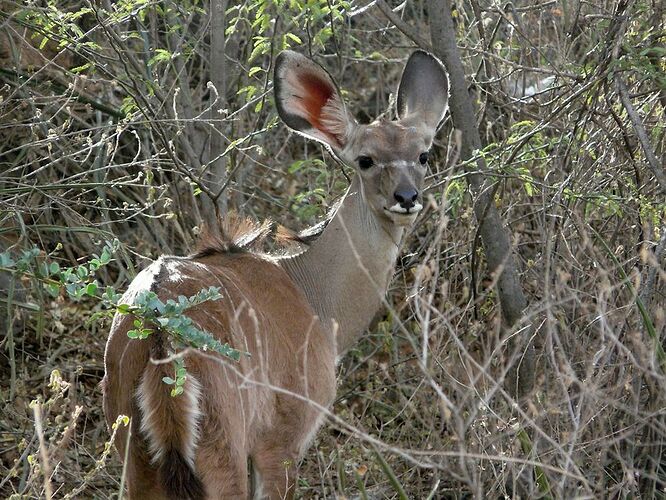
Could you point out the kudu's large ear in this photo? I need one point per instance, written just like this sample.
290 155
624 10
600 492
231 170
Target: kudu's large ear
308 100
423 93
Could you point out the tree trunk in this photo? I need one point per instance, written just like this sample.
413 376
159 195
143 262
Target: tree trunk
495 236
216 172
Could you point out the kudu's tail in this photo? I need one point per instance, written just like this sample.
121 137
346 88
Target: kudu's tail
170 425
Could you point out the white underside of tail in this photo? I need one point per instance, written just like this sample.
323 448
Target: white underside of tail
156 425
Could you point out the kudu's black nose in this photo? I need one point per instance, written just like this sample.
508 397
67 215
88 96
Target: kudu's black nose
406 196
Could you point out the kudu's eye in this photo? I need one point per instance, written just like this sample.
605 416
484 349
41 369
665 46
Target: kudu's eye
423 158
365 162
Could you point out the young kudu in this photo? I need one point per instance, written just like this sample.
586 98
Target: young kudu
295 314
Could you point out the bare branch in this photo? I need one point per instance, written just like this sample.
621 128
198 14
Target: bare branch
405 28
656 168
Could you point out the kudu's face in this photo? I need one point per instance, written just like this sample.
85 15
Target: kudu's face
390 157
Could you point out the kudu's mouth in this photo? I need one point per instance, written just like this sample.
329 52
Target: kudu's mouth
401 215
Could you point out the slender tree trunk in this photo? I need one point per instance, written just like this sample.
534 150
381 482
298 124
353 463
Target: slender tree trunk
495 236
216 174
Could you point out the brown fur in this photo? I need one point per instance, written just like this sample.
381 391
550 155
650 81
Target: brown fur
261 312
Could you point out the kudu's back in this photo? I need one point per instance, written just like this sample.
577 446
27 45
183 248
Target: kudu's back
196 445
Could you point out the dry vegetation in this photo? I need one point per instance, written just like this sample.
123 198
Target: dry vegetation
104 134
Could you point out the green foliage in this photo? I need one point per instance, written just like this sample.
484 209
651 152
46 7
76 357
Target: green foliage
170 318
455 195
60 26
78 281
315 18
309 204
642 47
179 378
149 311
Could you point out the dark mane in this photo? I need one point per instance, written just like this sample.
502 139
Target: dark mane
305 237
235 234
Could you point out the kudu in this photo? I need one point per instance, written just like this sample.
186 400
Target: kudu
294 314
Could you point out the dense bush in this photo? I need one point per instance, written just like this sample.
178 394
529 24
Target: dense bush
120 135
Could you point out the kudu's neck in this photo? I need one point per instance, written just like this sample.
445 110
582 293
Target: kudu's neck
346 271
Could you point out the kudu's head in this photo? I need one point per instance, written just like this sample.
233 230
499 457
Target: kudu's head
390 157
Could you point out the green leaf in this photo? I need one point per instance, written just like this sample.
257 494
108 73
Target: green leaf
529 188
260 48
296 166
53 289
123 308
81 68
294 38
145 333
6 260
105 258
160 55
168 380
254 70
91 289
43 269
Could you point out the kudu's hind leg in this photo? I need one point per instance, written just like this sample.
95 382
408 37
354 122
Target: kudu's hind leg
223 471
141 477
275 472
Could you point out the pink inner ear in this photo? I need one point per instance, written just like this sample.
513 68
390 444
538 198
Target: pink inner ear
316 92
